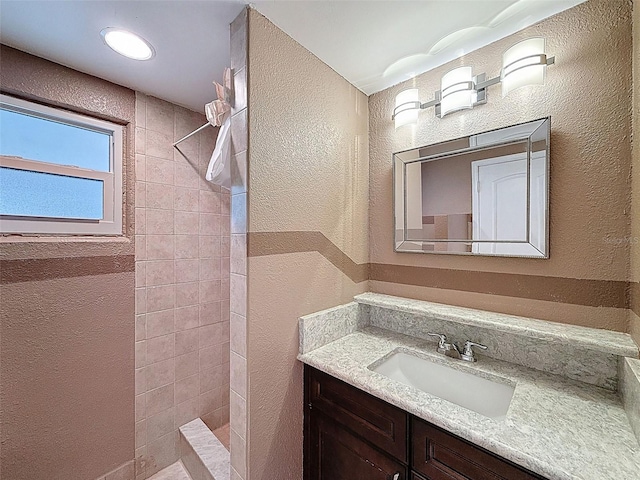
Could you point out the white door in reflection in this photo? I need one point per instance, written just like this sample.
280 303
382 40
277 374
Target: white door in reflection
499 205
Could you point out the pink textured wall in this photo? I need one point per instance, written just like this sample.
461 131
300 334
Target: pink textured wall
308 171
590 164
67 319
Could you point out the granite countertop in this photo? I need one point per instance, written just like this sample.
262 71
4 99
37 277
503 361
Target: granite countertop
557 427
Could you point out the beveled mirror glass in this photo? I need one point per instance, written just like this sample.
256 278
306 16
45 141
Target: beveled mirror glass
485 194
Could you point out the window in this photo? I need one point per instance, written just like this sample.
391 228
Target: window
60 172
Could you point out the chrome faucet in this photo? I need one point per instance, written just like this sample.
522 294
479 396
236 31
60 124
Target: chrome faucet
451 349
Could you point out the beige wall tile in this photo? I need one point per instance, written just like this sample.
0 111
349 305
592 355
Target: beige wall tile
210 224
159 145
160 247
141 221
213 378
211 335
159 323
159 170
159 399
240 90
209 290
187 317
239 334
160 298
238 453
210 201
141 433
209 268
141 171
161 453
141 327
186 199
187 365
186 270
210 246
238 378
160 348
141 274
187 388
186 246
141 354
141 407
187 341
210 357
160 272
238 294
140 381
186 411
159 116
160 374
210 313
160 424
238 414
186 294
239 213
186 175
159 222
186 223
159 196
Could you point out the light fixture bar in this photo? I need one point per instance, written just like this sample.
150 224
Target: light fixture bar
525 54
458 87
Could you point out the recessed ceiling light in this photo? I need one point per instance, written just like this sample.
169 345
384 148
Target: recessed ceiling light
128 44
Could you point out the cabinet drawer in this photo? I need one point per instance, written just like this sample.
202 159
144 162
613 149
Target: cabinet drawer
379 423
438 455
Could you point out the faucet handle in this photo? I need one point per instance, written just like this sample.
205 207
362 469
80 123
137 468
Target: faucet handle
467 353
441 336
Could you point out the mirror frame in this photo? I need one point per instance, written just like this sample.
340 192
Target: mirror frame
401 245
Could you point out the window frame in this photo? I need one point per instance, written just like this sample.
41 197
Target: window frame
111 223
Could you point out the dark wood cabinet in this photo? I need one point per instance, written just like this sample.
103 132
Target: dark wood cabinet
340 455
438 455
351 435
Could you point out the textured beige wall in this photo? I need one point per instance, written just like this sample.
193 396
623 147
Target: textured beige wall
67 377
634 313
587 95
66 314
308 157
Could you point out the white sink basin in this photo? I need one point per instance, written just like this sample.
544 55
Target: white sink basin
483 396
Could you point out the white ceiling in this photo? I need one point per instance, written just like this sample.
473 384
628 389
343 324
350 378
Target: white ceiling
377 44
373 44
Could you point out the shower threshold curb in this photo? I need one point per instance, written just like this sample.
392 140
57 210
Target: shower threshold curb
203 455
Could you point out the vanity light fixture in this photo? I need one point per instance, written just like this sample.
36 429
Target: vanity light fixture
127 43
525 63
458 90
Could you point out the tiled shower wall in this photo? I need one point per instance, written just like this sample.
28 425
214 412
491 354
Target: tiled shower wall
182 283
239 176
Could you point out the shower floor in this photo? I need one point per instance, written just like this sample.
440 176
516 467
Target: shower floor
222 434
175 471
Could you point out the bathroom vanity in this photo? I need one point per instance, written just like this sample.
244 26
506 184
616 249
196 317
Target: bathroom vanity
382 403
350 435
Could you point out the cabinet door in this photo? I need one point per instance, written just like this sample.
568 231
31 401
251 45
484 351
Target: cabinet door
438 455
379 423
335 454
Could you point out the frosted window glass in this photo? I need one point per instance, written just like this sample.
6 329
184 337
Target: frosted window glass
36 194
34 138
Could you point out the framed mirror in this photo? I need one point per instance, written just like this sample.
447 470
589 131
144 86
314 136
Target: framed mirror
484 194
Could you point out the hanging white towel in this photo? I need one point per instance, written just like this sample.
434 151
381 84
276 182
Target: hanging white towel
219 170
